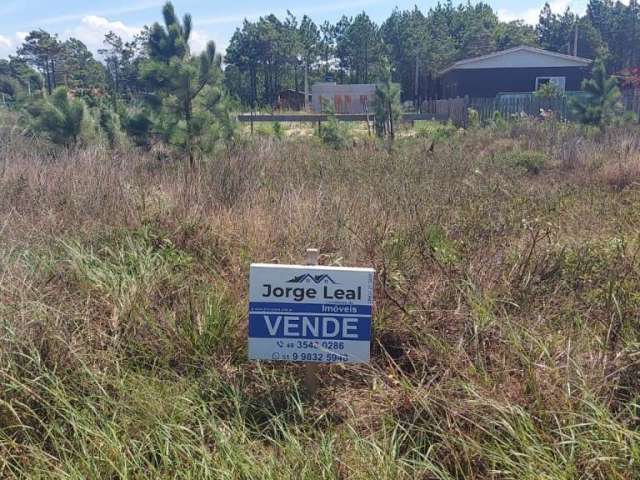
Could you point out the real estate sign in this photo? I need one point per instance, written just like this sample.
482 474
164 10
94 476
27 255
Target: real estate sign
310 313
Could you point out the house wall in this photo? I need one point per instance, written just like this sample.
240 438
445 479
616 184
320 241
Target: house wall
352 98
484 83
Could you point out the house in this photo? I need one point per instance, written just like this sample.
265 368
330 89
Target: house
290 100
351 98
517 70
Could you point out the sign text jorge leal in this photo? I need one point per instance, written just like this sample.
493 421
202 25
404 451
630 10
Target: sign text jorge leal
310 313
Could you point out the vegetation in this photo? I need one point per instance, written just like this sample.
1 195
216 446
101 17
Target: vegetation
152 90
548 91
506 340
58 117
332 132
387 108
271 54
180 80
601 104
506 336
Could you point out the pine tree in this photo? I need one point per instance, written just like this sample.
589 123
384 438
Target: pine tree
178 77
387 106
43 51
601 104
59 117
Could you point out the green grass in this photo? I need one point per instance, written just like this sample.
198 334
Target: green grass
506 332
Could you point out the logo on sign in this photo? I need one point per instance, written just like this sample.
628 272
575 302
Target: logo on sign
308 278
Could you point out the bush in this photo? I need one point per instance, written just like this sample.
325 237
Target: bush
435 130
548 91
110 126
138 126
278 130
333 133
530 160
473 118
58 117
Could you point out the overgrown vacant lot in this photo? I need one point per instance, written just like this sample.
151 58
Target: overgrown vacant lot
506 332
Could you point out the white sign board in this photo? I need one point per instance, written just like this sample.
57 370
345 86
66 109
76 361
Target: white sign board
310 313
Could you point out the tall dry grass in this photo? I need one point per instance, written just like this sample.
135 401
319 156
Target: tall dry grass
506 333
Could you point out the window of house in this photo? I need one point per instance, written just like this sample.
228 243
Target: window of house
559 82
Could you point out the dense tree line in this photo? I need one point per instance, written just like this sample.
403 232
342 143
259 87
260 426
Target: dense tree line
270 54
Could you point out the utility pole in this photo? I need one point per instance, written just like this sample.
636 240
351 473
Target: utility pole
416 88
306 86
575 40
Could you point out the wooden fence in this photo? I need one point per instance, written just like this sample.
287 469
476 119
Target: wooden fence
456 110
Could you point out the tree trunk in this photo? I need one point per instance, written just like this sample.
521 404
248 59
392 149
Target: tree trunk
391 132
47 75
53 74
187 117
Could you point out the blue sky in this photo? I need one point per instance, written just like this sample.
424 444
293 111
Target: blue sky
89 20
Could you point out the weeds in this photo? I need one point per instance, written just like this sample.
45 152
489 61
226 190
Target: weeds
506 338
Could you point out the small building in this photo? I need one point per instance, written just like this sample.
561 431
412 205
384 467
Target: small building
517 70
290 100
347 98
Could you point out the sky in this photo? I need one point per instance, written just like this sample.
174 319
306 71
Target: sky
89 20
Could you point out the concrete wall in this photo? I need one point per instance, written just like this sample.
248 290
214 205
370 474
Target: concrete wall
352 98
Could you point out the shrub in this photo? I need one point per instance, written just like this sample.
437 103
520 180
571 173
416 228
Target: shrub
498 121
110 125
59 117
333 133
138 127
548 91
278 130
435 130
532 161
473 118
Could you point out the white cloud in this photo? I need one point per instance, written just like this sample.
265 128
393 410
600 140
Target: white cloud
198 41
5 42
93 28
8 45
531 15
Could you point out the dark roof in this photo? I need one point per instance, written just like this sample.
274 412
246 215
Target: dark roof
577 61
